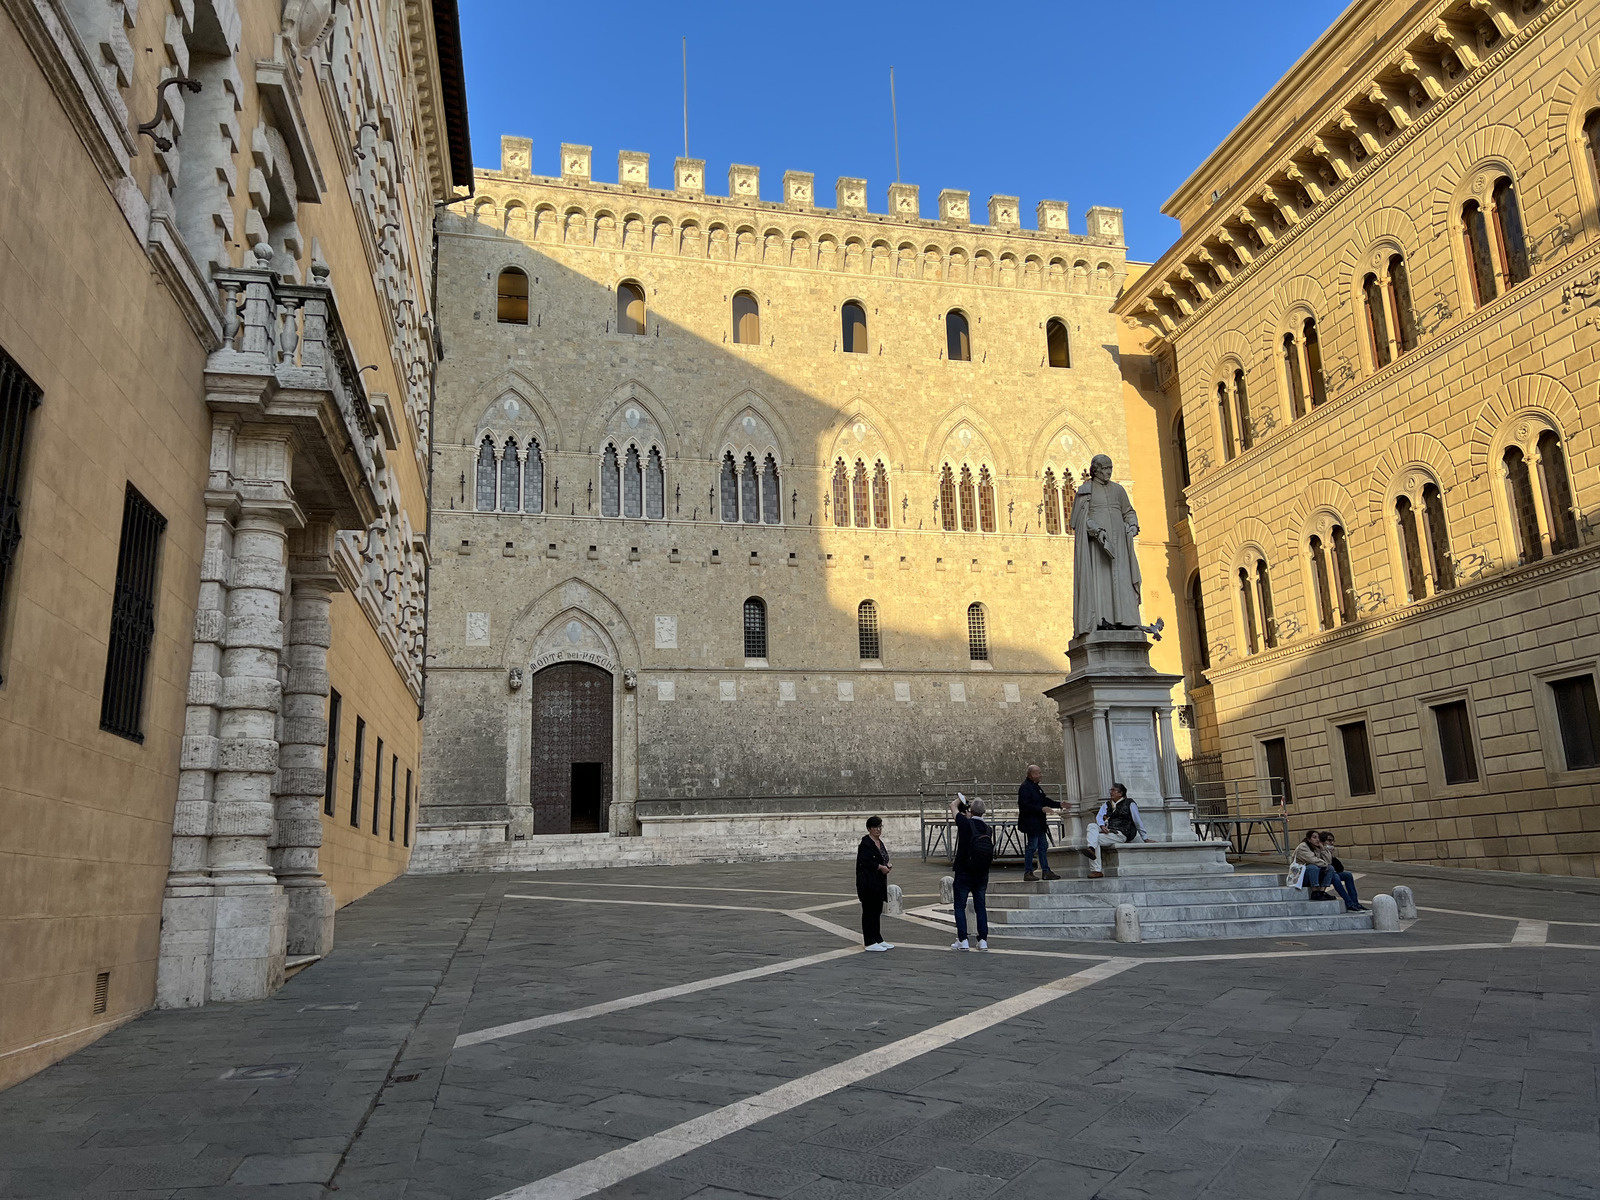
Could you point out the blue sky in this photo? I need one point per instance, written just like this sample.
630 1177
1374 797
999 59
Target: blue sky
1092 103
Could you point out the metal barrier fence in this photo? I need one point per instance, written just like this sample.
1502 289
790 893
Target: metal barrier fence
1234 809
1000 813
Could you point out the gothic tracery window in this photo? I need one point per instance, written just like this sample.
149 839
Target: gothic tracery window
969 502
1052 504
860 497
486 477
987 516
771 493
880 495
655 486
510 477
841 494
728 485
948 514
610 483
749 492
533 478
632 484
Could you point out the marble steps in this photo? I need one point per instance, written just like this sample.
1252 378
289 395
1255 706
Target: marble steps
1200 929
557 852
1143 899
1172 912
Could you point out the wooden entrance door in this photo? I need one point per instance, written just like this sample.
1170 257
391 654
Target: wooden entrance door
571 768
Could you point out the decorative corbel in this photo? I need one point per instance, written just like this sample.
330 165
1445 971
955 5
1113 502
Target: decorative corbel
1280 204
1333 158
1378 95
1253 220
1424 74
1215 263
1240 250
1461 47
1498 14
1312 189
1358 130
1171 293
1194 281
1163 324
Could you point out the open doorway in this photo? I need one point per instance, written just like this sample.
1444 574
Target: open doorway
588 797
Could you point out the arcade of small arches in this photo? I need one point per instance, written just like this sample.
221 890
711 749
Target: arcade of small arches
512 308
1079 274
1534 504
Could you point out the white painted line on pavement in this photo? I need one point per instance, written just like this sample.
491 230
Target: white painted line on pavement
644 903
825 926
616 1166
666 887
1456 912
1531 933
495 1032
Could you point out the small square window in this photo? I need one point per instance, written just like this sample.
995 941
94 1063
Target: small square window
1578 714
1455 742
1357 759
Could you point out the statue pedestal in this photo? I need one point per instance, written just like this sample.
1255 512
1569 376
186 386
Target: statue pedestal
1116 722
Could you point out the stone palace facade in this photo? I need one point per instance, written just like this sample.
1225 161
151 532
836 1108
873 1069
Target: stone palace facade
746 506
1381 326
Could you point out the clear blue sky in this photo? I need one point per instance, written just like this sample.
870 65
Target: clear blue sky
1092 103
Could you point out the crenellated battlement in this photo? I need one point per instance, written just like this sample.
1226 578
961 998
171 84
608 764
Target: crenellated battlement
1104 225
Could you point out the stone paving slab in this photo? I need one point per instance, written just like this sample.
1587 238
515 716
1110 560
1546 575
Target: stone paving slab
1217 1069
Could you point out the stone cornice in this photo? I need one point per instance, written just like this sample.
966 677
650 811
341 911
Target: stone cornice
1188 243
1514 579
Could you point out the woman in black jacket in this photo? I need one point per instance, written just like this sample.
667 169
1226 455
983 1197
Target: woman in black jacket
872 883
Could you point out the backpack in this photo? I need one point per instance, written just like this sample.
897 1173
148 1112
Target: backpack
980 849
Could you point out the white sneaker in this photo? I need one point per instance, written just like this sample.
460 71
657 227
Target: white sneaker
887 945
983 944
959 945
878 946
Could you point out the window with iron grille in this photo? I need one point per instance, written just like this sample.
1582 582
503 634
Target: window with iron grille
755 628
19 396
977 634
330 776
867 628
133 618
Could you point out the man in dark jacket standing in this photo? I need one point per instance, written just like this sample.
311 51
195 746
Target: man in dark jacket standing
974 854
1034 825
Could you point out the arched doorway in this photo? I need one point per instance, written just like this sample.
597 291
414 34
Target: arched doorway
570 786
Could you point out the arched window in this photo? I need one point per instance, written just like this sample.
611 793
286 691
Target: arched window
610 483
947 499
1444 572
860 495
1052 504
958 336
510 477
1404 322
746 319
987 517
755 627
1313 347
1055 339
749 492
1197 608
1319 578
853 328
1247 611
1225 421
1180 442
969 502
1343 577
1557 492
486 469
1591 142
1269 624
841 494
1291 370
1241 407
630 308
1377 321
533 479
1509 237
867 631
1480 260
1519 497
512 297
728 484
977 634
632 485
655 487
1410 549
771 493
880 495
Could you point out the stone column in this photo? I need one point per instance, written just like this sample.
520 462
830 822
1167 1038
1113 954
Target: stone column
251 913
188 907
302 756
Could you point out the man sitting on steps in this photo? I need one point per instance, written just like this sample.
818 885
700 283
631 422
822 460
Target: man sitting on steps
1116 823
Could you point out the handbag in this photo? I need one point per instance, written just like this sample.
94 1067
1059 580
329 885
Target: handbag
1296 875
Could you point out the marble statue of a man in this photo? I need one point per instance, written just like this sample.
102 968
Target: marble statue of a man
1105 570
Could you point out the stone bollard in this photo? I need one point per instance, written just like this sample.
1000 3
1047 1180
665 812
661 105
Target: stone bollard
895 908
1385 915
1127 923
1405 902
947 890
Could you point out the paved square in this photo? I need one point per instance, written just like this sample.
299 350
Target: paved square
714 1032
